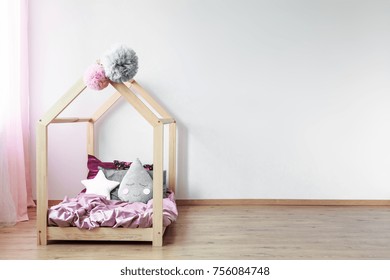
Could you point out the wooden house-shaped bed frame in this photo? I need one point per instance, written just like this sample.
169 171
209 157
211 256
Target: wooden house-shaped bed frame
132 92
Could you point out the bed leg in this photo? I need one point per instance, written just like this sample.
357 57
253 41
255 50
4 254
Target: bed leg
42 202
157 241
158 143
42 239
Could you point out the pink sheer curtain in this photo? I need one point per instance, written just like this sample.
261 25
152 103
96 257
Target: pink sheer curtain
15 182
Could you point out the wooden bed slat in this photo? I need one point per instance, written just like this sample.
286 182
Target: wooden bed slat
114 234
70 120
166 121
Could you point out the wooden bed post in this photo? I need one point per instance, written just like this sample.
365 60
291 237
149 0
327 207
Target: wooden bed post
42 202
158 148
172 157
42 157
91 138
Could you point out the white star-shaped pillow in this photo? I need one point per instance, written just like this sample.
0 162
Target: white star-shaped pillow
99 185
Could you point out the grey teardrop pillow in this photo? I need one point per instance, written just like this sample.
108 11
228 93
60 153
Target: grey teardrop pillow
137 185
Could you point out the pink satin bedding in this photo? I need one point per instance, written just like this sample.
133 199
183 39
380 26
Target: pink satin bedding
91 211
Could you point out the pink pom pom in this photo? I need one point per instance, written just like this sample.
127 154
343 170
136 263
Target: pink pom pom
95 77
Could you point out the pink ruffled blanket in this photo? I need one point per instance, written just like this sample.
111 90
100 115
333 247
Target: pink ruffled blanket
91 211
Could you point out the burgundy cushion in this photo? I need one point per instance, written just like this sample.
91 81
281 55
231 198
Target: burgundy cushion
94 163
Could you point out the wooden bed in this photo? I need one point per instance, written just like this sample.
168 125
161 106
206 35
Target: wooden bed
132 92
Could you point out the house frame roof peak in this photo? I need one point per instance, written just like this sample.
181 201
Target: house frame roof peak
122 90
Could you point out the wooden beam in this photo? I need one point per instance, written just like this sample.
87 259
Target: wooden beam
136 103
91 138
42 199
70 120
63 102
101 233
166 121
281 202
172 157
148 98
106 106
272 202
158 150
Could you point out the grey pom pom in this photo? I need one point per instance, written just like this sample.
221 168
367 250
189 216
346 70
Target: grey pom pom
120 64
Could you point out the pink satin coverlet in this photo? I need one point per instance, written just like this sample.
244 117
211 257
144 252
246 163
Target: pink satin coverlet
90 211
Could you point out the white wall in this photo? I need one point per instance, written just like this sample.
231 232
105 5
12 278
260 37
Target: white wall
274 99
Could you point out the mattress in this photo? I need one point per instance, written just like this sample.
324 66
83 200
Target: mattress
89 211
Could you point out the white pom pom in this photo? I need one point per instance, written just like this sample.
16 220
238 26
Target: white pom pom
120 63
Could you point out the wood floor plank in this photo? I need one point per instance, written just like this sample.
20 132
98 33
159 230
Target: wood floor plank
232 232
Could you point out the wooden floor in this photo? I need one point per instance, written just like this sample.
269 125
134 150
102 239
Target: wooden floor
232 232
